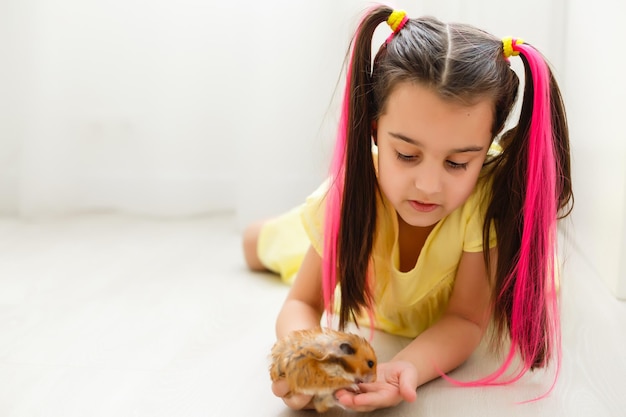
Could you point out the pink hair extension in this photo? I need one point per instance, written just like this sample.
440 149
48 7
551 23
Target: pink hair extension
333 205
535 285
534 275
334 199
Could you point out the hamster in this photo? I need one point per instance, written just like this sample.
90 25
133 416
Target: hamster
319 362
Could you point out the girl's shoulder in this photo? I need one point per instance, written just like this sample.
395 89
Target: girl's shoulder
471 217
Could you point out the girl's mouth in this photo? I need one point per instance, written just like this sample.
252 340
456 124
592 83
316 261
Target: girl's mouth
423 207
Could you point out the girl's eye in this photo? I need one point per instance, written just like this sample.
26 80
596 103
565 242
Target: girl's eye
407 158
455 165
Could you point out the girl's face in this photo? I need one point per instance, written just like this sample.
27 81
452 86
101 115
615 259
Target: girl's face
430 152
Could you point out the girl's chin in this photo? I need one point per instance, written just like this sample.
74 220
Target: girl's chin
420 221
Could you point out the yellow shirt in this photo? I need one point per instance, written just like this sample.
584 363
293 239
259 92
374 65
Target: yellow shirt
407 303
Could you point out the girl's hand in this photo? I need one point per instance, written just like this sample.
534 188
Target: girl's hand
280 389
396 381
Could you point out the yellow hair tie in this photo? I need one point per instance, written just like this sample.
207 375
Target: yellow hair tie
395 20
507 46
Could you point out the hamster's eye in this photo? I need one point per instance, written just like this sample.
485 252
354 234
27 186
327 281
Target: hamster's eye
370 364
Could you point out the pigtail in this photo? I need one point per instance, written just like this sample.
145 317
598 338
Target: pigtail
531 185
350 216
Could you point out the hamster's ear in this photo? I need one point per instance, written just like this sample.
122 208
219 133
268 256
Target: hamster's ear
347 349
375 132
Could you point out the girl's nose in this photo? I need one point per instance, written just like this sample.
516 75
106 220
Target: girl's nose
428 180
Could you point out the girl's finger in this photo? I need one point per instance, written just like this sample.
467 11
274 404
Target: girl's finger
280 388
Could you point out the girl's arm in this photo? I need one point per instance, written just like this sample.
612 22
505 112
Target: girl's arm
304 305
450 341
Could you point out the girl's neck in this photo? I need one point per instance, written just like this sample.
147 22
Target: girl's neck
411 240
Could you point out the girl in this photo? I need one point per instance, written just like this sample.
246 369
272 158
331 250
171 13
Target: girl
405 227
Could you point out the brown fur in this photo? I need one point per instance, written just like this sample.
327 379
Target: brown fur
319 362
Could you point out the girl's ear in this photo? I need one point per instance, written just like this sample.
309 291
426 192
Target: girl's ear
375 132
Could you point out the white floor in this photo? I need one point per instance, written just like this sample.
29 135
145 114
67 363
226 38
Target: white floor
104 315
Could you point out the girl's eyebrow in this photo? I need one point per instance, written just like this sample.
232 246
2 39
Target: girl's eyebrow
417 143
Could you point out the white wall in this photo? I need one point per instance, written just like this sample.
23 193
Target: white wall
119 104
595 93
293 63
